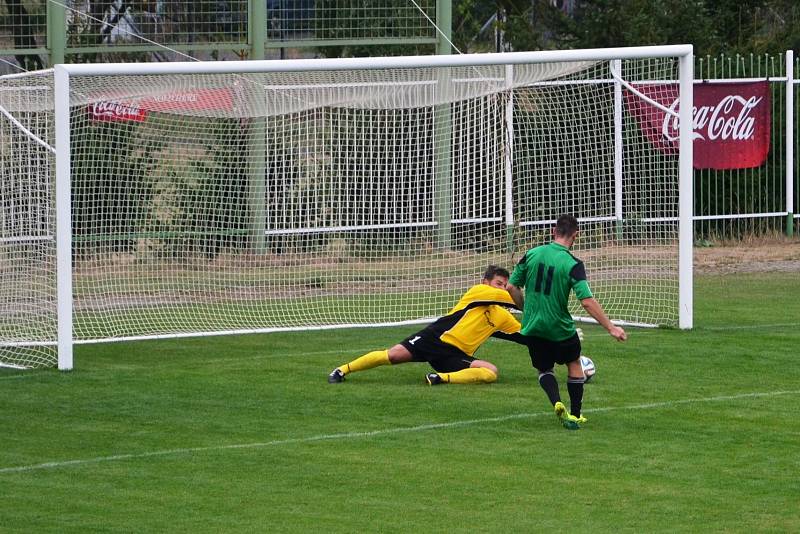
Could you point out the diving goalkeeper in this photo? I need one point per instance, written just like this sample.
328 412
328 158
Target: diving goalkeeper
448 344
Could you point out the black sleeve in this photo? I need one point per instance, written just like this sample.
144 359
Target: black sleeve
578 271
516 337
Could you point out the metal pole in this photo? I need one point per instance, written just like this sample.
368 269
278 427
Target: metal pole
443 131
509 158
617 67
686 195
63 220
444 21
257 28
56 32
257 144
789 143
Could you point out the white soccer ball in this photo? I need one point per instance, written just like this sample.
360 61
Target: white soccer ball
588 367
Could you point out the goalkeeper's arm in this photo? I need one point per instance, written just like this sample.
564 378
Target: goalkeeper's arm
516 337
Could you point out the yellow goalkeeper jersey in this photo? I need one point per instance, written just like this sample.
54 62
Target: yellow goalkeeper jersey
480 313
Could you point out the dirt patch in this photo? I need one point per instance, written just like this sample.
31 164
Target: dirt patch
767 256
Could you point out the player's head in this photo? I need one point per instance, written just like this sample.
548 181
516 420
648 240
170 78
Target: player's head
496 277
566 227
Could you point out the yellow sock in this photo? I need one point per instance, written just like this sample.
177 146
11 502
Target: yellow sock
470 375
367 361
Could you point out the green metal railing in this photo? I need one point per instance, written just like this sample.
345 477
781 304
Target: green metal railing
38 33
737 203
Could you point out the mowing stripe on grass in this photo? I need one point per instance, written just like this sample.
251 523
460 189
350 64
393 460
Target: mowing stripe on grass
382 432
749 326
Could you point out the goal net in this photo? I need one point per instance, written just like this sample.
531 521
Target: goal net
261 196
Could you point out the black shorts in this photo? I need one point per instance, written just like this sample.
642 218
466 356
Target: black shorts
425 346
545 353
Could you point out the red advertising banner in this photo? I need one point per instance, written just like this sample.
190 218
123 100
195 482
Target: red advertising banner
731 122
136 108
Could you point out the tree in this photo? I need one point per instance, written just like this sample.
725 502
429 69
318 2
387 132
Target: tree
712 26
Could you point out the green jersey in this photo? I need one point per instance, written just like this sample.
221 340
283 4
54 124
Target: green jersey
548 273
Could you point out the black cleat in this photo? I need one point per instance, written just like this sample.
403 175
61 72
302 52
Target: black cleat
336 376
433 379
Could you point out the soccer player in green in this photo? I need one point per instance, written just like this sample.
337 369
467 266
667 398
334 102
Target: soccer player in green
548 273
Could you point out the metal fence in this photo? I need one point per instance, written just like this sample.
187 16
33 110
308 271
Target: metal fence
37 33
736 203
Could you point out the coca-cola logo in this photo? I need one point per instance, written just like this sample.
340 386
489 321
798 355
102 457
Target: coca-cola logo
112 110
730 119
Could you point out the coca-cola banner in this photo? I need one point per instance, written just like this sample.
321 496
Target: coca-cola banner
731 122
136 108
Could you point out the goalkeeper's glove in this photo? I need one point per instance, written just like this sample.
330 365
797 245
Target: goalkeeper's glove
580 333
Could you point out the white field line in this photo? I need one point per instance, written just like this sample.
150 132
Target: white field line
372 433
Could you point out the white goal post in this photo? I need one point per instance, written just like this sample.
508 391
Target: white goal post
186 199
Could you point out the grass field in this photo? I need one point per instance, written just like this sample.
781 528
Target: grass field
688 432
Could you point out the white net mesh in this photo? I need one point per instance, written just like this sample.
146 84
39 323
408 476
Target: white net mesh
266 201
27 223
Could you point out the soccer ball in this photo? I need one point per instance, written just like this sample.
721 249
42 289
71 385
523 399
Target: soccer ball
588 367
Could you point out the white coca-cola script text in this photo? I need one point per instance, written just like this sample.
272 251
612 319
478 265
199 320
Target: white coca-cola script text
729 119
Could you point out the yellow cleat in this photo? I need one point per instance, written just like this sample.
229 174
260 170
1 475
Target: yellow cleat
570 422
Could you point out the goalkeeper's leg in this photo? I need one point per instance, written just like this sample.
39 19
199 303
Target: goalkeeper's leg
479 372
376 358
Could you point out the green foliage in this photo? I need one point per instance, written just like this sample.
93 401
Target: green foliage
243 434
712 26
139 191
472 28
100 195
214 211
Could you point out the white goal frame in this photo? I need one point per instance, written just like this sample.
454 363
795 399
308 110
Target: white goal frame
64 74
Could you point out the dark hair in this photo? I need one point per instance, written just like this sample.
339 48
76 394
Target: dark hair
566 225
494 270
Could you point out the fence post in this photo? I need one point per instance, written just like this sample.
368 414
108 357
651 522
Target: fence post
618 140
257 28
56 32
509 159
443 131
444 20
789 143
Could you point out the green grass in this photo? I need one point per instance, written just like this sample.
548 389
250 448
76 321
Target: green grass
688 432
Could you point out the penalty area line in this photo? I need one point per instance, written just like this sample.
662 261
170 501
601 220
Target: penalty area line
373 433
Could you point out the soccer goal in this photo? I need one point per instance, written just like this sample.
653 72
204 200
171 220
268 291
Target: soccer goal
186 199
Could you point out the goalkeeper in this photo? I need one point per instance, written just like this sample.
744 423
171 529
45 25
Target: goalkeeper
448 344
